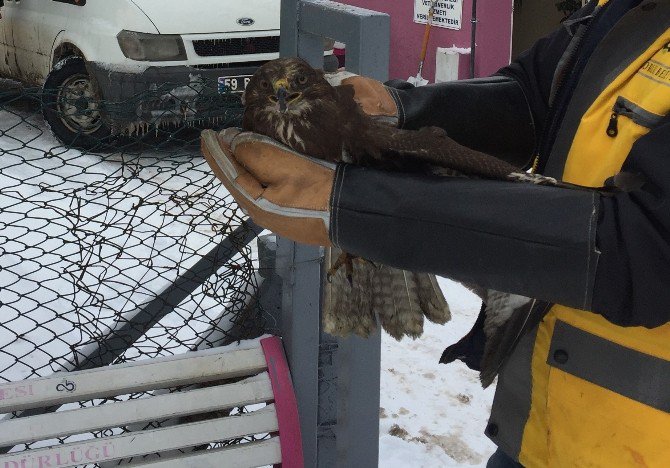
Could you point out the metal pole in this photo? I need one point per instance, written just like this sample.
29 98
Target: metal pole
336 381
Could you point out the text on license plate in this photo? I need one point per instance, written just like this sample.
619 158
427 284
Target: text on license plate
233 84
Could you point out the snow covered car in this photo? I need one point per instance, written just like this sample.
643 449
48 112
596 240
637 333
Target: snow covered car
111 66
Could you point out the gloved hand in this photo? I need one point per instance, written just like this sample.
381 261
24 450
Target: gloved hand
373 96
284 191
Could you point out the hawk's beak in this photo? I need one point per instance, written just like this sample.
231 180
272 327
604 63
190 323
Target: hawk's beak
282 97
280 87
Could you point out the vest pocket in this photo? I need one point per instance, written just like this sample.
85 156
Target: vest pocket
628 109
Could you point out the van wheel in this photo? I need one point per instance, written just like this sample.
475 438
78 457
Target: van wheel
71 108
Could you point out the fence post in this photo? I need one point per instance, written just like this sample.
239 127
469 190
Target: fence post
336 380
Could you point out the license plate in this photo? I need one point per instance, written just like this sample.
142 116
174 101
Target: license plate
233 84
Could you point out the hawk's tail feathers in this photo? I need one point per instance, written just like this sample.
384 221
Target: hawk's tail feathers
431 145
399 298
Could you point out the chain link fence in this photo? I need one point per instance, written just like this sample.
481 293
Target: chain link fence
122 247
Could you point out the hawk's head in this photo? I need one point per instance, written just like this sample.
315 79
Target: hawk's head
286 85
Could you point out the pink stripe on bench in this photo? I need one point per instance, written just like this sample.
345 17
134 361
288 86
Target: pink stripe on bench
286 406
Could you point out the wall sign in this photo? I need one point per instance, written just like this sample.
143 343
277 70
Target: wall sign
448 13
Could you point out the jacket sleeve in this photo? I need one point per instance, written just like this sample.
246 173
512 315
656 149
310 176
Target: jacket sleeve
605 253
536 241
632 284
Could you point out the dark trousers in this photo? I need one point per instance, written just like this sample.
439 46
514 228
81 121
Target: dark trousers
500 460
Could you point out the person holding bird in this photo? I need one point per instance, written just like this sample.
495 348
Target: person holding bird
580 256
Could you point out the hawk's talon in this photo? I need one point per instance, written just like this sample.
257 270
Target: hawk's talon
349 268
348 261
341 260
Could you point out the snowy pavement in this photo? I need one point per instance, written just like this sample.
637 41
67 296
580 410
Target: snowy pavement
433 415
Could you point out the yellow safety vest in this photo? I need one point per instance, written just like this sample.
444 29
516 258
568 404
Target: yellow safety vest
575 420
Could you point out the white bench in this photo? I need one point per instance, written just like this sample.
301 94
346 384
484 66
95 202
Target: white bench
267 381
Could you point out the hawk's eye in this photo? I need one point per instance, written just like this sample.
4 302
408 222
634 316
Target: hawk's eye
302 79
265 84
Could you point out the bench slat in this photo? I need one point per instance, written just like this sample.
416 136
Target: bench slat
253 454
149 441
195 367
81 420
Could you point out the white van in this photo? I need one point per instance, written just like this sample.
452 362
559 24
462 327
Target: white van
120 65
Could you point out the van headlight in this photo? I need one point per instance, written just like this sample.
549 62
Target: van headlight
151 47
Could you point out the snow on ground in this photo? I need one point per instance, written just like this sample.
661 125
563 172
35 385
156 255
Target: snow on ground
433 415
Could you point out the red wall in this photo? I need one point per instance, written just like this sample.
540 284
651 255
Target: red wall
494 32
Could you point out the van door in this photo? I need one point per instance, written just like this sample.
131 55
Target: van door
34 27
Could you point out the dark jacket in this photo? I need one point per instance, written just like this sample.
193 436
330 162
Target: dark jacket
586 384
608 254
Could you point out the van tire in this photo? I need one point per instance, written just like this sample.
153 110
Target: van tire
70 106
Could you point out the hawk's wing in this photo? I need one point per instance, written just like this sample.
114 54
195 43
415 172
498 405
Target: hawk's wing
374 143
431 145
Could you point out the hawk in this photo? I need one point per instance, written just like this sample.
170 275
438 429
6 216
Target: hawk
293 103
288 100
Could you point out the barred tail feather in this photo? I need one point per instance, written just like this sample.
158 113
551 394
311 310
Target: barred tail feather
434 305
406 317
